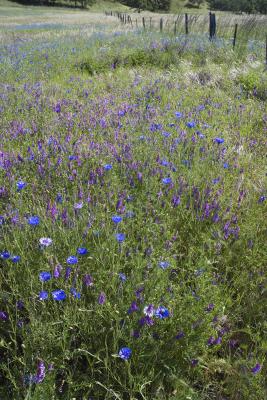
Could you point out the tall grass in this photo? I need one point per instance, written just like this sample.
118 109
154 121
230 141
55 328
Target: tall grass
142 154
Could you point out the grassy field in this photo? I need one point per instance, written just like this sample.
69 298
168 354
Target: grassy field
133 203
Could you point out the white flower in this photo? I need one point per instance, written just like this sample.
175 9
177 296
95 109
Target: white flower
45 241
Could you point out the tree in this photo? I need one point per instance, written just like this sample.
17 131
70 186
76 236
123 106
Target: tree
248 6
196 2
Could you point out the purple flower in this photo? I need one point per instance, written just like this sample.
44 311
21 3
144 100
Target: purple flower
116 219
102 298
219 140
180 335
166 181
44 276
88 280
57 108
43 295
149 310
72 260
256 369
125 353
78 206
59 295
120 237
194 363
162 312
210 307
211 341
3 316
57 271
34 220
68 272
262 199
133 307
40 372
82 251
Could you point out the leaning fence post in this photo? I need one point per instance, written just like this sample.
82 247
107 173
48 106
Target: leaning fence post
175 27
234 41
186 24
161 24
150 23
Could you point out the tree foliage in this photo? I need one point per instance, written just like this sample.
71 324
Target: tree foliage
151 5
248 6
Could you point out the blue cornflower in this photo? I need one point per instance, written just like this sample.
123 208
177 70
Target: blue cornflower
129 214
21 185
219 140
163 264
191 124
75 294
59 198
72 260
44 276
116 219
166 134
5 255
71 157
59 295
125 353
122 276
43 295
34 220
178 114
120 237
82 251
15 259
225 165
107 167
167 181
162 312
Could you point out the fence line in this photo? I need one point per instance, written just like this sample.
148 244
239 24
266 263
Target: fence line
126 19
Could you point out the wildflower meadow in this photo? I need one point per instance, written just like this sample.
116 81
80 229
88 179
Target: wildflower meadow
133 208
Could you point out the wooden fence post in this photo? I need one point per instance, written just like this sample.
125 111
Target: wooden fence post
186 24
212 26
234 41
150 23
144 23
175 27
161 24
